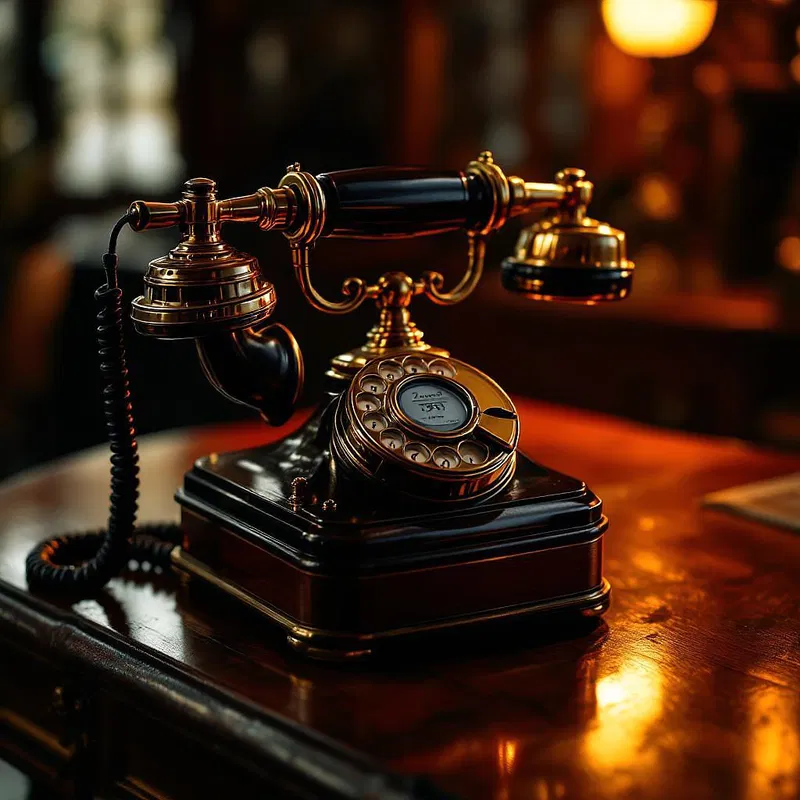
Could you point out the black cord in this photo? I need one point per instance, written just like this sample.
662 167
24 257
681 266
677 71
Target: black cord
85 562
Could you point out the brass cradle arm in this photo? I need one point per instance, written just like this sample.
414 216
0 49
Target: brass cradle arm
432 281
354 288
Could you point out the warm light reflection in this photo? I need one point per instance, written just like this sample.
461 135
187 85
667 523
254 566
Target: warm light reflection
629 704
658 28
657 267
794 68
506 755
789 253
774 743
656 119
301 699
463 751
659 197
712 79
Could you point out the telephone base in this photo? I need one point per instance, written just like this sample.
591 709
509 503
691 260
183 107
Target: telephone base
348 567
329 645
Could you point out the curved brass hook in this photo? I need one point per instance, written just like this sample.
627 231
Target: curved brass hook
432 281
351 286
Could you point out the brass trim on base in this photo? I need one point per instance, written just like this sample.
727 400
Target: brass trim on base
338 646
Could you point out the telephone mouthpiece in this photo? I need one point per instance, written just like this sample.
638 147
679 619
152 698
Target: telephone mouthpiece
569 259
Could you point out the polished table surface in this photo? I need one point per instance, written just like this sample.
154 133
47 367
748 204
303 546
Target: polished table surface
689 688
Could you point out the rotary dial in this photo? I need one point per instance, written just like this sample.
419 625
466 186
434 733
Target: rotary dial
413 419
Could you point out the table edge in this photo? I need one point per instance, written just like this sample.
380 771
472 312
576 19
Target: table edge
235 723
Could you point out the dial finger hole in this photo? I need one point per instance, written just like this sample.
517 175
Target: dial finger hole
414 365
375 422
367 402
473 452
417 452
392 438
390 371
443 368
446 458
373 384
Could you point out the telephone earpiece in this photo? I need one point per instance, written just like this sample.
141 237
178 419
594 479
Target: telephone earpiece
568 256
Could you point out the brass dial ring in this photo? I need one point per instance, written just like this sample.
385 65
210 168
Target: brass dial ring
434 428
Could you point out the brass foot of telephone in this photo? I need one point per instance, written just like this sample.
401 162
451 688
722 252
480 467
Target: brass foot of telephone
402 506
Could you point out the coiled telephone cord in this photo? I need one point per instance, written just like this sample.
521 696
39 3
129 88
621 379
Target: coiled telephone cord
85 562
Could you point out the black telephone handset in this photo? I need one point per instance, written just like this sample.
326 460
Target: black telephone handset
407 482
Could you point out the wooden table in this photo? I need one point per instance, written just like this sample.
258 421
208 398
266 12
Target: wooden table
689 688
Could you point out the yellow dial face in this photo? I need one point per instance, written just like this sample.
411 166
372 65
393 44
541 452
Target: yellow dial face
434 427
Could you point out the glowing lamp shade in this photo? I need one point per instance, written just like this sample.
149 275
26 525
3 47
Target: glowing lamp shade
658 28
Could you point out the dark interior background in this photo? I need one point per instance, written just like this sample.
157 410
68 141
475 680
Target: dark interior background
694 155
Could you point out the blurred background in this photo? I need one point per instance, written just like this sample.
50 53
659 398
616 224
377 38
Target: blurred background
685 113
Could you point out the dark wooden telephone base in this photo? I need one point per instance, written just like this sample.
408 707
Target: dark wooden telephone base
368 567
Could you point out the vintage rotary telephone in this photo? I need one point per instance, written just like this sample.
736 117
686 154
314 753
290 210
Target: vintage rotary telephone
402 505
